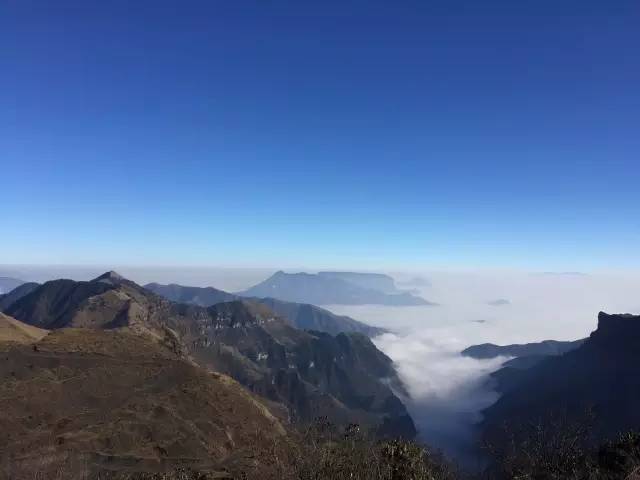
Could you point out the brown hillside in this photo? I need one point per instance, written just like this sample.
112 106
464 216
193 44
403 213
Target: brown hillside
12 330
89 400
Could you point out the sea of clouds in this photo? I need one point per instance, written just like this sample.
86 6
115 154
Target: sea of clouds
448 391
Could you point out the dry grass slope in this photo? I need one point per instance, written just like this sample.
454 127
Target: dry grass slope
86 401
14 331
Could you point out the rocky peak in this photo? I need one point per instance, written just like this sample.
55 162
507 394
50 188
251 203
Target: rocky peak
617 331
109 277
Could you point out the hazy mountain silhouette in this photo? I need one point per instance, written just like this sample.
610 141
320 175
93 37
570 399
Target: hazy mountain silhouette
372 281
9 283
544 348
326 289
304 316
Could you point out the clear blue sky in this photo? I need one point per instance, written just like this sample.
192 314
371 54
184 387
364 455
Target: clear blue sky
356 133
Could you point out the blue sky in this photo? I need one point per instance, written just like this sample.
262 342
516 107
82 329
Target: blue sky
335 133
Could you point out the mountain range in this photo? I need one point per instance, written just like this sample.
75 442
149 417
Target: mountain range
326 288
299 315
301 373
130 380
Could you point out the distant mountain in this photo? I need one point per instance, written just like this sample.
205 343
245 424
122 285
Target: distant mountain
303 316
602 374
372 281
415 282
544 348
500 302
203 296
83 401
325 289
16 294
310 317
344 377
8 283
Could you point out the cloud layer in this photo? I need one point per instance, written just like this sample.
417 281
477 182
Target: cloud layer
448 391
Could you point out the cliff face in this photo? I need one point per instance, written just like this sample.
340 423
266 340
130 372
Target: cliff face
617 334
299 315
602 375
315 374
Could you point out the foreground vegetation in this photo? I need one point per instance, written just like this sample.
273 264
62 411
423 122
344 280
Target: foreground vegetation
322 451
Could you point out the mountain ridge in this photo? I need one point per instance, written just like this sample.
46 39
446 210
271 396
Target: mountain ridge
308 372
299 315
543 348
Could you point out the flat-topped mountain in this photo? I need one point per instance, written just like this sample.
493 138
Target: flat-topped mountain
82 401
373 281
310 373
326 289
299 315
602 375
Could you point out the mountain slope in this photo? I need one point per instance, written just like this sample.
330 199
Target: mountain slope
14 331
9 283
303 316
310 317
603 374
16 294
243 339
314 373
544 348
118 401
325 290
